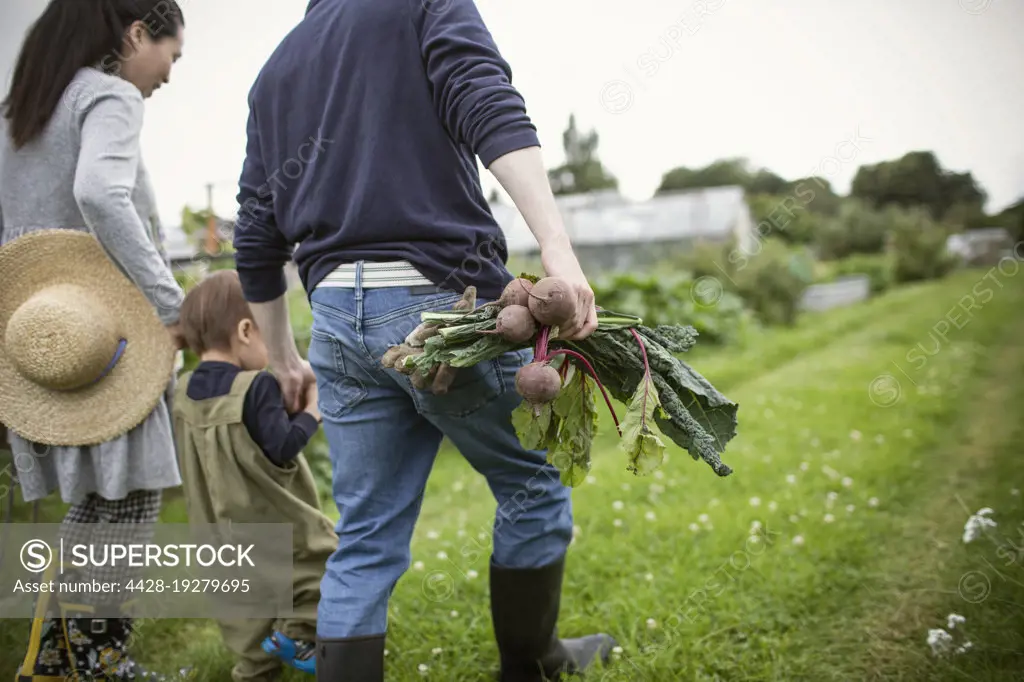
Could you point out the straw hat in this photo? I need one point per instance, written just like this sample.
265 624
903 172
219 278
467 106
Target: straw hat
83 356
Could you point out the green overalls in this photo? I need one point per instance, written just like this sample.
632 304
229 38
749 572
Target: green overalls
227 477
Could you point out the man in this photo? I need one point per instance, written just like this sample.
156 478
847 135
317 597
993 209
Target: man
365 126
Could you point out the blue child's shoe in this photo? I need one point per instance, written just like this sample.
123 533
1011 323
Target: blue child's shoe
296 653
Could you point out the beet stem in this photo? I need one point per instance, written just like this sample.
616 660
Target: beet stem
590 369
647 367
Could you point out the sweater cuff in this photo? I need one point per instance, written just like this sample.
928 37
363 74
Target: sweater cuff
263 284
500 144
308 424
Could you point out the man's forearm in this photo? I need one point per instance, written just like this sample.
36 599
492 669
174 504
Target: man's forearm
524 177
273 320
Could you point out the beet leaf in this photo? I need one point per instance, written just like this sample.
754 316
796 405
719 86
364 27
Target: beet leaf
577 411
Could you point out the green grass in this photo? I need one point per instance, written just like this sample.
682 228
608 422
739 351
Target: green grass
853 601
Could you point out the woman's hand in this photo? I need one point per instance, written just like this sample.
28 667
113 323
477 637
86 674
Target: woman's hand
177 336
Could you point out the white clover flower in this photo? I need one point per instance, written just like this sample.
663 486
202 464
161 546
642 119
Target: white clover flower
755 526
433 535
855 435
879 439
954 619
976 524
850 508
755 501
713 502
965 647
625 486
829 518
772 506
790 478
436 651
591 480
418 566
458 486
873 502
804 466
461 533
908 433
657 489
939 640
651 623
793 518
481 536
387 653
847 481
832 495
1014 491
694 527
659 474
649 577
442 555
423 668
576 530
617 505
472 575
703 518
617 523
617 650
650 516
798 540
830 472
454 614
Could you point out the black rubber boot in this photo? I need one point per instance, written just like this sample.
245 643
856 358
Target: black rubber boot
524 611
357 659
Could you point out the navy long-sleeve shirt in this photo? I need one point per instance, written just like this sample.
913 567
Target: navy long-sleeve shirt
364 129
279 435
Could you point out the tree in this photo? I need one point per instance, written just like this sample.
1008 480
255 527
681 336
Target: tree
918 179
1011 219
582 171
721 173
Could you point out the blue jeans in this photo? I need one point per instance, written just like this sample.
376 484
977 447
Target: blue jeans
384 435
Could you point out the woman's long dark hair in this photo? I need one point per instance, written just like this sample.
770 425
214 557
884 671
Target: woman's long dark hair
69 35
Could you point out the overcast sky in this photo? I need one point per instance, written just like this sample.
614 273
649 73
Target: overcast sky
790 84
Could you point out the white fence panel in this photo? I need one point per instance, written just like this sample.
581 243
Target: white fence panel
843 292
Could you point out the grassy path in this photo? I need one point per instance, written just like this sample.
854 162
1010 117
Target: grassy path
827 555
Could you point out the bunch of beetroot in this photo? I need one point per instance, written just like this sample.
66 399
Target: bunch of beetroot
637 365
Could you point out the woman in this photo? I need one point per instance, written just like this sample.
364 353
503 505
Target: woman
69 158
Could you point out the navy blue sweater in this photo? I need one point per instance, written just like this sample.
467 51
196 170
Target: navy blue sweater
364 129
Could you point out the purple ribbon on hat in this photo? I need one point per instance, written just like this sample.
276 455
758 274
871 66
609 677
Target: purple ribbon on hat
110 365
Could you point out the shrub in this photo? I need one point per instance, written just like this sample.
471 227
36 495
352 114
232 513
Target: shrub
878 268
717 315
918 245
856 228
771 282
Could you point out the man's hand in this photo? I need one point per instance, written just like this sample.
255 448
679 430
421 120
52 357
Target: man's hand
560 261
524 176
295 380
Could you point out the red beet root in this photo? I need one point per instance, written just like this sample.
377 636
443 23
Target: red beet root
538 383
552 302
517 292
516 324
